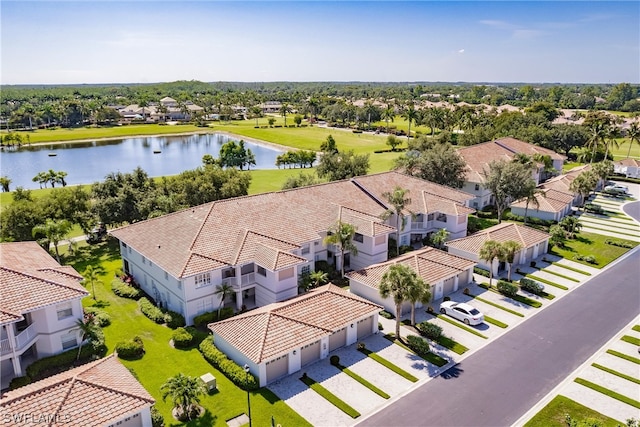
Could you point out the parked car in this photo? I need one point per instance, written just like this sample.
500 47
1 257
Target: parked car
462 311
98 233
616 189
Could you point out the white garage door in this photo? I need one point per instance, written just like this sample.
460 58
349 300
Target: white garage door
277 368
338 339
365 327
448 286
310 353
529 254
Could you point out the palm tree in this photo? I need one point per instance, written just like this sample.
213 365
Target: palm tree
509 250
223 290
411 115
341 235
388 113
88 329
531 197
399 201
5 182
53 232
396 282
319 278
571 224
185 392
489 251
439 237
90 275
613 132
418 291
633 133
284 110
584 184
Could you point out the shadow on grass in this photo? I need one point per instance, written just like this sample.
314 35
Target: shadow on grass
268 395
207 420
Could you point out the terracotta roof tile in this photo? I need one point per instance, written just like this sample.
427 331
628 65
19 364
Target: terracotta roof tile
275 259
501 233
431 264
278 328
93 394
628 162
551 200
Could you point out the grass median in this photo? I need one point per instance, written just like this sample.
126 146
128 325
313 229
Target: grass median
330 397
384 362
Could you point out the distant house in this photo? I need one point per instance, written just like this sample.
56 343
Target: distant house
550 205
563 182
40 303
444 272
271 107
167 109
627 167
261 244
281 338
478 158
534 244
100 393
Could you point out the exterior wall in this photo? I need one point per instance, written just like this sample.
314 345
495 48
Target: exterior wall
141 418
373 295
535 213
368 253
482 195
51 330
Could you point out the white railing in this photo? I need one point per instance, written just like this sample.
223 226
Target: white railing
229 281
24 337
417 225
5 346
248 279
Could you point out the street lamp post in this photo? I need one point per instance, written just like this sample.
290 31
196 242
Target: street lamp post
246 369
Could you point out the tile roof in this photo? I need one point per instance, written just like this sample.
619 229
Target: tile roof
551 200
479 156
563 182
90 395
432 265
628 162
226 232
501 233
31 279
278 328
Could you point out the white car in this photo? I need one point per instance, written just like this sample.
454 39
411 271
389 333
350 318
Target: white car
462 311
616 189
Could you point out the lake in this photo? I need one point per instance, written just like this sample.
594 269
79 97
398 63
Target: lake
88 162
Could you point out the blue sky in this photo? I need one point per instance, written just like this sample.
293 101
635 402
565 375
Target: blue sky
52 42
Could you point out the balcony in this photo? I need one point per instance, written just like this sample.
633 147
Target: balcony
21 340
245 279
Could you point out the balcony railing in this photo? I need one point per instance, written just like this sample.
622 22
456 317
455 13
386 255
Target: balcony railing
245 279
417 225
21 340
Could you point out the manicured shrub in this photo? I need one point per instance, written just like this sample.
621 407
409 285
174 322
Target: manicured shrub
507 289
446 299
481 271
130 349
182 338
380 327
532 286
125 290
386 314
619 243
150 310
228 367
334 360
173 319
590 259
532 264
19 382
429 330
212 316
157 420
52 365
361 346
417 344
590 207
99 316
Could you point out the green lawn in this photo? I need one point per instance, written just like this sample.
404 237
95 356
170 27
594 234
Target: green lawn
555 412
587 243
161 361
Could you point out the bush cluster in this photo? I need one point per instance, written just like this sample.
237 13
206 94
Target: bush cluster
417 344
334 360
130 349
19 382
52 365
228 367
100 317
481 271
386 314
125 290
530 219
508 289
157 420
618 243
532 286
150 310
590 259
429 330
182 338
590 207
173 319
211 316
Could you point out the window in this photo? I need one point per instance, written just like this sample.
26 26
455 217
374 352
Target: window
442 217
306 269
69 341
126 266
144 260
124 245
380 240
358 237
64 311
262 271
285 274
477 187
306 249
203 280
475 204
430 217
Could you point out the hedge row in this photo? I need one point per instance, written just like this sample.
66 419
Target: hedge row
130 349
228 367
52 365
211 316
150 310
419 345
125 290
429 330
507 289
481 271
532 286
100 316
619 244
174 320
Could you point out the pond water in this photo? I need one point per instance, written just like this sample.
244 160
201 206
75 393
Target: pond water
89 162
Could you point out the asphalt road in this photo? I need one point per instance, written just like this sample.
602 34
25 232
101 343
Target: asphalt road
499 383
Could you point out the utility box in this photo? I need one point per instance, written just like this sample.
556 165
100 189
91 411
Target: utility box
209 381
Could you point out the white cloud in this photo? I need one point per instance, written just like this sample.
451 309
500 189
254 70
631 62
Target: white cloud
461 51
